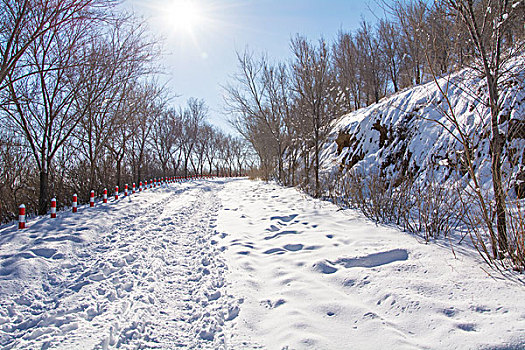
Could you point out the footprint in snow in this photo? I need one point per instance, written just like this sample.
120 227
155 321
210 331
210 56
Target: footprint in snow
286 218
274 250
324 267
44 252
213 296
293 247
282 233
272 305
450 312
233 312
273 228
467 327
374 260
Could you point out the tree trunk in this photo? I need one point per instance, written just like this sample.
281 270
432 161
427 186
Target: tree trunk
281 180
139 173
43 200
497 143
185 167
92 174
307 167
119 165
316 170
498 248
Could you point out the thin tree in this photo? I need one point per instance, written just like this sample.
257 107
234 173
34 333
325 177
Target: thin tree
487 22
42 104
312 81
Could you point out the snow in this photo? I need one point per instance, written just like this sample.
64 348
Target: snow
240 264
139 273
313 276
417 142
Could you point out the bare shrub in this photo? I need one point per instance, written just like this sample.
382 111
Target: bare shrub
516 234
428 209
436 210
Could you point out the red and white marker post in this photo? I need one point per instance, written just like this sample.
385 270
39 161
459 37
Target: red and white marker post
140 186
133 191
53 208
125 190
21 217
92 199
116 192
105 196
75 203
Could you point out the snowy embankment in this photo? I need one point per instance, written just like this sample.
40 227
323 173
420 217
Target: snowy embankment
238 264
409 134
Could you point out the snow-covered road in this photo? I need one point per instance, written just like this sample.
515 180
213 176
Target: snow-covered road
238 264
141 273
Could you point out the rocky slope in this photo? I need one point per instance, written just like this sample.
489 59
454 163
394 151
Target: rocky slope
409 133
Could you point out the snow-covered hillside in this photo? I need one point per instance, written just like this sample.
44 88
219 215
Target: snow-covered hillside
239 264
403 135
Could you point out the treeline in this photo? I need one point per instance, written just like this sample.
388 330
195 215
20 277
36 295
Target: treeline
81 108
284 109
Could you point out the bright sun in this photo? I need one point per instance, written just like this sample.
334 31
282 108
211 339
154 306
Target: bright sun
183 15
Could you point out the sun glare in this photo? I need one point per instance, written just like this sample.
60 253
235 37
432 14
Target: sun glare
183 15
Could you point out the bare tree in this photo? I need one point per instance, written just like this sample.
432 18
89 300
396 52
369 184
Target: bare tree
371 71
164 138
42 104
345 57
203 146
114 60
26 21
280 102
213 147
148 101
175 128
312 81
389 46
487 23
253 114
192 117
410 17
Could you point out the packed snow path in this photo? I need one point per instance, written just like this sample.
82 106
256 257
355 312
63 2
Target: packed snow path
238 264
141 273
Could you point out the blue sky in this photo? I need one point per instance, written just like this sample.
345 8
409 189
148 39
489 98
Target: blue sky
201 55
